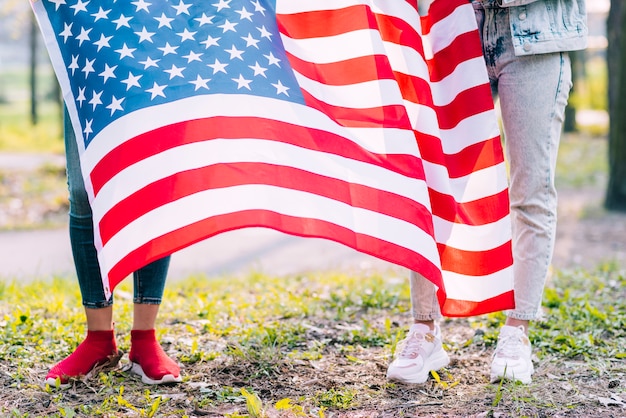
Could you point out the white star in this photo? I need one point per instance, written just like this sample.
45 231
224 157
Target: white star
164 21
132 80
95 100
223 4
108 73
149 62
80 6
126 51
182 8
116 104
74 65
88 129
168 49
244 14
122 21
258 70
57 3
281 89
192 56
272 60
84 35
81 96
88 68
144 35
186 35
102 14
103 41
250 41
218 67
205 19
210 41
156 90
242 82
258 7
141 5
67 31
227 26
175 72
234 53
265 33
200 82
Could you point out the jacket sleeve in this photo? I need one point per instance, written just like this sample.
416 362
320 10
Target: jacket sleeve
511 3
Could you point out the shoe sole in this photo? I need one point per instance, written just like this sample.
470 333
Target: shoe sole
168 378
435 362
525 377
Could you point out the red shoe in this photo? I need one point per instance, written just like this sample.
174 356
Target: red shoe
149 361
98 349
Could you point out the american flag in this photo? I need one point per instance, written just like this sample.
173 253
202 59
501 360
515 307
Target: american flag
351 120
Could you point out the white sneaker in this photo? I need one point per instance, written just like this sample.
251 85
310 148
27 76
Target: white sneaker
512 358
419 353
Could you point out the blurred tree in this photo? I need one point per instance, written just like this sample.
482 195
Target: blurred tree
616 56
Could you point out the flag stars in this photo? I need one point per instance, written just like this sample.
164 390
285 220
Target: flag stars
103 42
141 5
116 104
122 21
250 41
258 70
182 8
109 72
234 53
272 60
101 14
144 35
227 26
265 33
81 96
88 130
132 81
95 100
175 72
200 83
205 20
149 62
192 56
57 3
223 4
210 41
258 7
242 82
164 21
280 89
125 51
67 31
185 35
156 91
88 68
74 64
80 6
83 36
218 67
244 14
168 49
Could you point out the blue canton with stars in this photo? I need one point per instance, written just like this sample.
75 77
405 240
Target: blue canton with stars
125 55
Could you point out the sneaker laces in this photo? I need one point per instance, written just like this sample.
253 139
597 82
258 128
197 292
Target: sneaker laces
412 345
510 345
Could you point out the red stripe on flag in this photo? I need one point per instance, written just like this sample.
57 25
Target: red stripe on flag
217 176
463 308
476 263
304 227
478 212
469 102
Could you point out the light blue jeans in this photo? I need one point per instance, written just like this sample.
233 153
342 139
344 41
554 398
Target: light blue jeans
148 282
532 92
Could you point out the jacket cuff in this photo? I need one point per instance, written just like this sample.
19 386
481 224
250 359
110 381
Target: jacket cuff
512 3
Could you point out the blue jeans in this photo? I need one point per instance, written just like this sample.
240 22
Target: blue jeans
149 281
532 92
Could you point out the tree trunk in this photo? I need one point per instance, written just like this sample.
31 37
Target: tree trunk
616 56
33 69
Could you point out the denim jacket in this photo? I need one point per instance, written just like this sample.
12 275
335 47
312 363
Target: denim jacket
544 26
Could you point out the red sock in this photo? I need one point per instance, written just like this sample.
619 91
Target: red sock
93 351
146 351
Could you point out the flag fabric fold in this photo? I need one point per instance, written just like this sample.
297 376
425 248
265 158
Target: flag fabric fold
356 121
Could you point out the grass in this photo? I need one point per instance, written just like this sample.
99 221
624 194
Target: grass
313 346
